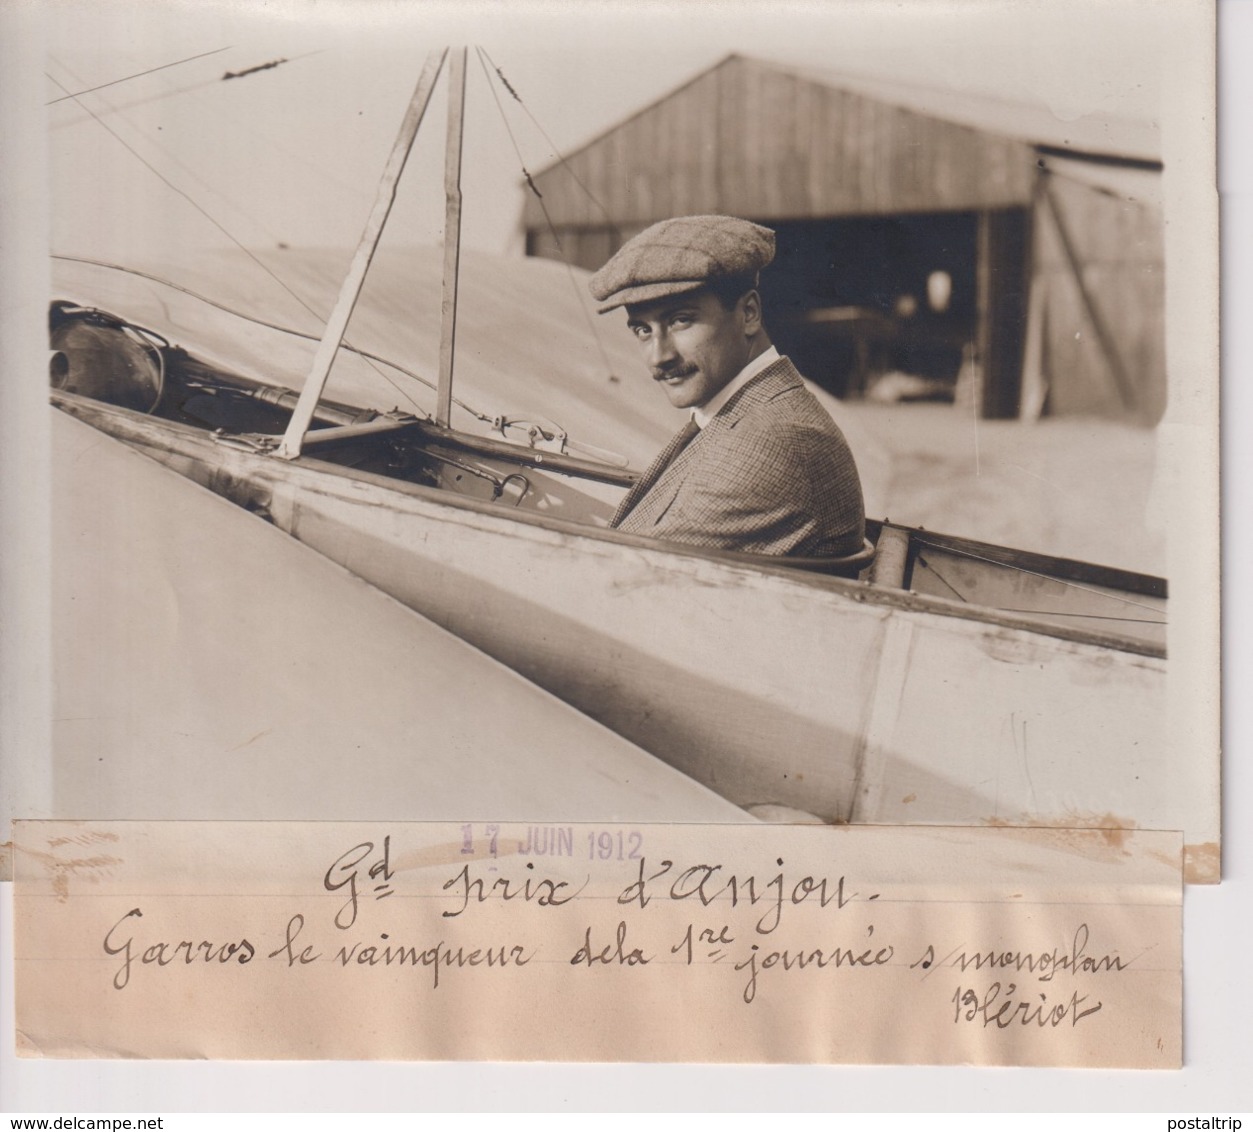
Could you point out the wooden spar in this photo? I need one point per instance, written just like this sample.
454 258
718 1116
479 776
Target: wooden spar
452 234
293 438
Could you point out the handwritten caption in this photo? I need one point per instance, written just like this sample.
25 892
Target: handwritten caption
756 927
609 941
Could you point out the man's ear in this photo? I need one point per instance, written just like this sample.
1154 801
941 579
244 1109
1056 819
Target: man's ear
750 305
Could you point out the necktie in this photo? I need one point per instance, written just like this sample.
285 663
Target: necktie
653 473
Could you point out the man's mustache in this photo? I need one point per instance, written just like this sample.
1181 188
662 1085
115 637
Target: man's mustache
674 371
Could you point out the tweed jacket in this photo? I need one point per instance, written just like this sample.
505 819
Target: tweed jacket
771 473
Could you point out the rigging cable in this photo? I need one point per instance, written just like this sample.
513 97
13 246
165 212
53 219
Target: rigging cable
964 553
578 291
161 96
1088 616
956 592
190 200
221 228
172 160
365 354
552 144
136 75
369 357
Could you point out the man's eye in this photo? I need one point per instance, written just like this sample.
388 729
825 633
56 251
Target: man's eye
681 320
639 331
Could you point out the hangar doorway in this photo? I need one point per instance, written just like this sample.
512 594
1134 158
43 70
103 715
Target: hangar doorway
893 306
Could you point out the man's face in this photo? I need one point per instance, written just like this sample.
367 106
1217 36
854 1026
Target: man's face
692 343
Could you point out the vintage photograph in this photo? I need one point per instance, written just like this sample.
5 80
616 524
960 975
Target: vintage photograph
511 415
652 413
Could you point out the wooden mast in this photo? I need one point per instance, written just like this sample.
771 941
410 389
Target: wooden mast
452 234
293 438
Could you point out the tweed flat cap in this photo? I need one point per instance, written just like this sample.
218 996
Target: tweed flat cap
680 255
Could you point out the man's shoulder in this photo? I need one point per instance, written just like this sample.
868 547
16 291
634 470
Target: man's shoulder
778 404
781 447
779 390
778 379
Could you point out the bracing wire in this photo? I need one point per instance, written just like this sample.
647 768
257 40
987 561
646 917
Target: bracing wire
240 314
161 96
136 75
964 553
192 201
574 283
365 354
187 174
551 144
947 584
1083 616
222 228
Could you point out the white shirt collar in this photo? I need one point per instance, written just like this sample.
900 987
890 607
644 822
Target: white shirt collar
710 409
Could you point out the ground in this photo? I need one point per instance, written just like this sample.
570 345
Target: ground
1073 487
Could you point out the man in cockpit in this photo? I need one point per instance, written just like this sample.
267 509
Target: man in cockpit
759 466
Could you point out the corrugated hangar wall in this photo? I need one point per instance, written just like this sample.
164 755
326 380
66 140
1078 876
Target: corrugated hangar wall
1056 285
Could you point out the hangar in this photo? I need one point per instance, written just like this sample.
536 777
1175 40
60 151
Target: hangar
965 248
